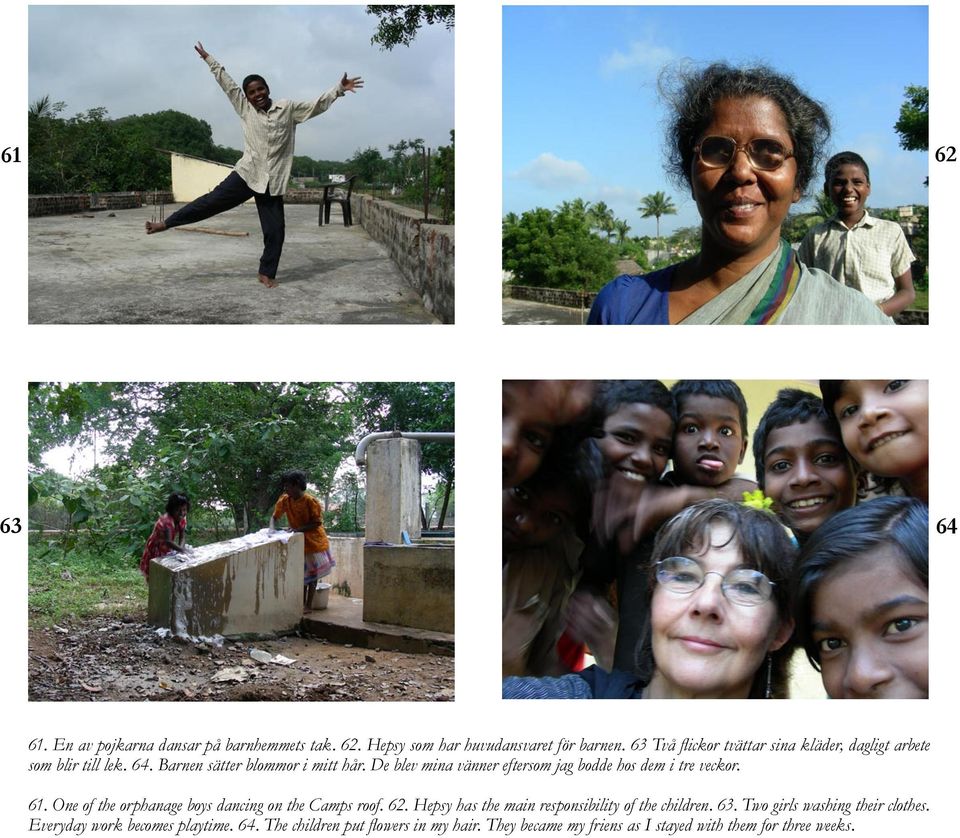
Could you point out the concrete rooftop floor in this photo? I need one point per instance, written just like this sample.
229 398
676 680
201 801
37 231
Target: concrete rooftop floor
105 269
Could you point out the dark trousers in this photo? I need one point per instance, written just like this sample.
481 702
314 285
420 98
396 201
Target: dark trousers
232 192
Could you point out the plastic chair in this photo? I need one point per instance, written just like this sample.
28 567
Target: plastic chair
333 193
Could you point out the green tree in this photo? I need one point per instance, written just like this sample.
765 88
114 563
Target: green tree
557 250
399 25
446 179
223 444
368 165
824 207
412 406
621 229
686 240
656 205
577 209
173 131
90 153
912 126
602 218
796 226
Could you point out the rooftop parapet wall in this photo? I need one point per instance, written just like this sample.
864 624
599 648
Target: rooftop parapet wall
66 204
245 586
424 252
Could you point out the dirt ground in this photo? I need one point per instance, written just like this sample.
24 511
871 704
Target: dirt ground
107 659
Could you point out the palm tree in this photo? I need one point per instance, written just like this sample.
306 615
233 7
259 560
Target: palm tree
621 228
603 218
656 205
824 207
45 107
578 208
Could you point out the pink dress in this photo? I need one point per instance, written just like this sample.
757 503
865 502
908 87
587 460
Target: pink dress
166 529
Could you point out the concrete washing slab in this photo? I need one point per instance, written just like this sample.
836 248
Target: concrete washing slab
252 585
102 268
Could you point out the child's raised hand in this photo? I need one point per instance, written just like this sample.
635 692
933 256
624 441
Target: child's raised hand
591 620
351 84
614 504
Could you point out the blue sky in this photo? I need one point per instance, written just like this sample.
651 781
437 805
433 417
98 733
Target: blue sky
582 116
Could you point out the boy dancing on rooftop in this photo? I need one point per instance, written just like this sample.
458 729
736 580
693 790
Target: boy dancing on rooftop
263 171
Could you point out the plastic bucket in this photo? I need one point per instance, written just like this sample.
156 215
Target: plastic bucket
322 597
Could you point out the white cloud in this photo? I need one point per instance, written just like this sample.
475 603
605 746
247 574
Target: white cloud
642 55
550 172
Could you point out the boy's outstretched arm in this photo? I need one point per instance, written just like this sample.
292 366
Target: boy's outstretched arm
227 84
302 111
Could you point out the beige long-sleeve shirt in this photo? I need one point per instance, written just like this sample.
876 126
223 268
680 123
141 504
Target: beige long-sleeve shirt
268 136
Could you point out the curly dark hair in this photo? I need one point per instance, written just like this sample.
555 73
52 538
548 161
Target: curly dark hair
694 92
294 477
764 545
175 501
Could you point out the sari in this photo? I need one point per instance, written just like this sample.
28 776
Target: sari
780 290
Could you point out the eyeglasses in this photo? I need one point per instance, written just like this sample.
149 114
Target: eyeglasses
742 586
763 154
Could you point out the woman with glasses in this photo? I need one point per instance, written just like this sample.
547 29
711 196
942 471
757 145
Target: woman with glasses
718 623
745 142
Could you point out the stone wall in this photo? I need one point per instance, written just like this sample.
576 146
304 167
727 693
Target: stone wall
423 251
552 296
73 203
303 196
912 317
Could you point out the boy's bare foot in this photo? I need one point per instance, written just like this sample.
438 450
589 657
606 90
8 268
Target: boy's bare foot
155 227
267 281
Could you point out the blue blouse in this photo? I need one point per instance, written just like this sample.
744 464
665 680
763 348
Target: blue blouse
634 300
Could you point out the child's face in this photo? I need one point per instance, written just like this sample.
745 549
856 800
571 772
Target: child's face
884 425
528 426
849 189
807 473
709 443
636 442
705 645
293 490
870 624
534 516
258 94
532 410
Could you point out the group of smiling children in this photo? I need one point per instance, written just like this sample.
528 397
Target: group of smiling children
845 473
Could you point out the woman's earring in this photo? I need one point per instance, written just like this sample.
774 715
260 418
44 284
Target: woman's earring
769 693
